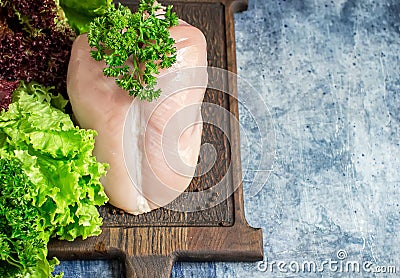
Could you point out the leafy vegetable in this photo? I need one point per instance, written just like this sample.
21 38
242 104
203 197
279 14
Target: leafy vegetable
143 37
53 166
23 240
6 89
35 42
80 13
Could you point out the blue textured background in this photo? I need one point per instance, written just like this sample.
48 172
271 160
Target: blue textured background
329 74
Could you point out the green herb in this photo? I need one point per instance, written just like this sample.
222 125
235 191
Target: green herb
50 181
143 37
23 239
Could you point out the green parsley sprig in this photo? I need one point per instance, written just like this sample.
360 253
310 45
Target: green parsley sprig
23 239
143 37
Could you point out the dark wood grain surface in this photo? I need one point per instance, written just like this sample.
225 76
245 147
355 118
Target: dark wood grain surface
150 243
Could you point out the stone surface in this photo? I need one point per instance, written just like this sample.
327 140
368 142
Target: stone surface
328 72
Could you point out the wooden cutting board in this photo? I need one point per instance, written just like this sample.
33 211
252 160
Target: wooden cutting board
149 244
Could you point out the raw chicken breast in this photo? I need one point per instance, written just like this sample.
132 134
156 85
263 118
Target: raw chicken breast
152 147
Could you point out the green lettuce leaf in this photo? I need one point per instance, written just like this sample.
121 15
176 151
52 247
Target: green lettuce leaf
56 158
79 13
23 237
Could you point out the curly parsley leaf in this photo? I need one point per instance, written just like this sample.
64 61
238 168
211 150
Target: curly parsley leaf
23 239
135 46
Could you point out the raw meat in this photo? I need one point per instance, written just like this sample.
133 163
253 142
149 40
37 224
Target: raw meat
152 147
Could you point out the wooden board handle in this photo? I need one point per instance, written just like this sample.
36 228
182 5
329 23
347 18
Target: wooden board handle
149 266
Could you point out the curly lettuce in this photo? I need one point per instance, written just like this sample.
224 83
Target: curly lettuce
23 238
57 186
35 42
